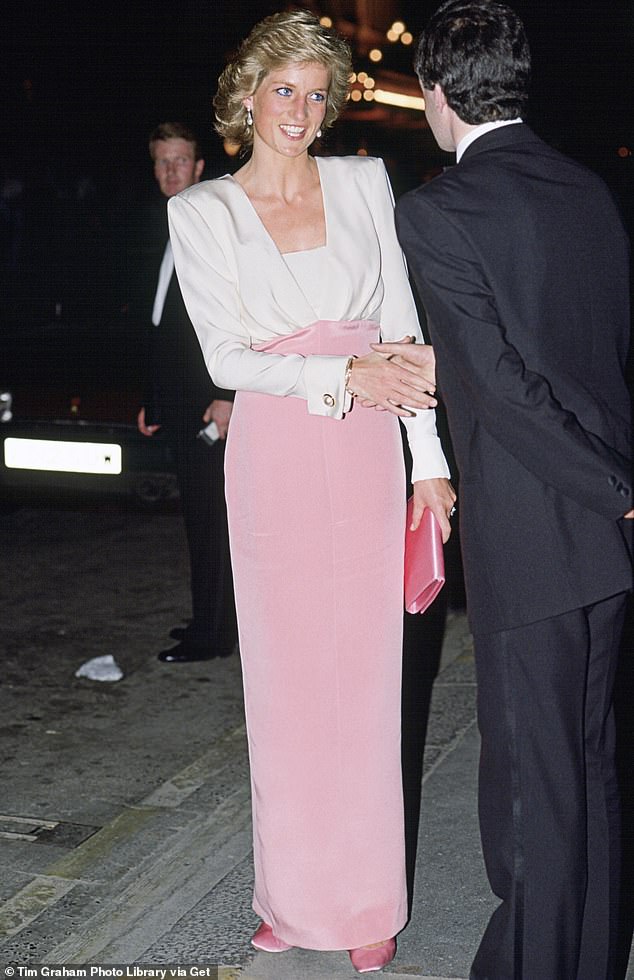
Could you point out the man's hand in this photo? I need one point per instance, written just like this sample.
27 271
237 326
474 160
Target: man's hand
219 412
381 382
439 495
145 430
415 357
629 516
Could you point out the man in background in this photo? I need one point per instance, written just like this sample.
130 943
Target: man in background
193 416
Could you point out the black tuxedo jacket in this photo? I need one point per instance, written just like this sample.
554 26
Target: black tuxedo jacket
521 261
180 387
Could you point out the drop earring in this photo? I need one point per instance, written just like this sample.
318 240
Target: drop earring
319 134
249 117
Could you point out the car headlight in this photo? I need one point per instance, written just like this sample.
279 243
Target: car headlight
6 402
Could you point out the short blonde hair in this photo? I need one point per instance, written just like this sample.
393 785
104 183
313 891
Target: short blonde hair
288 38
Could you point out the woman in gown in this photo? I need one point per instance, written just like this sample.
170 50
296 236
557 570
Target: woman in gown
290 269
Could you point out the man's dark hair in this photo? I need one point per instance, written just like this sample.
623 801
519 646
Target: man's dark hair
174 131
477 51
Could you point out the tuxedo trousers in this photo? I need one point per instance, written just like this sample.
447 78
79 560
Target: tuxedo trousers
200 474
316 510
548 797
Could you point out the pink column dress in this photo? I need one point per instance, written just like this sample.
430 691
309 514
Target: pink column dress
316 514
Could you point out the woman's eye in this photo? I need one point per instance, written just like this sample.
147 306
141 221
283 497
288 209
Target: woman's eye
318 96
284 90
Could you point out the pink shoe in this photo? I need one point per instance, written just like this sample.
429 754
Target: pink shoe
264 939
367 959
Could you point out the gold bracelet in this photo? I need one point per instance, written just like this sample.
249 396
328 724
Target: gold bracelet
346 377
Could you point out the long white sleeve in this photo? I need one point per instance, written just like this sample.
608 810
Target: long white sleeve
398 318
240 293
211 293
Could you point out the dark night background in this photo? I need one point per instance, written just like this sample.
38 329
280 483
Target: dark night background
83 85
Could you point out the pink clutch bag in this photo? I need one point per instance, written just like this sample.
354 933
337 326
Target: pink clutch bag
424 561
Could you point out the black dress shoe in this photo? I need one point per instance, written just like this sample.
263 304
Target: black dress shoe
188 652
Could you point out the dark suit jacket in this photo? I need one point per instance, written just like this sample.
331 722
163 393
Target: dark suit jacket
521 261
180 388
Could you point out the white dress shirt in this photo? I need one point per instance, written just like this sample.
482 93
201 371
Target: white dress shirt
165 274
480 131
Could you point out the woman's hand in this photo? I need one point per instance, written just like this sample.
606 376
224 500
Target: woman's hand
377 380
439 495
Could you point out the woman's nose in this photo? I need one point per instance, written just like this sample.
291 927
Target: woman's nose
299 109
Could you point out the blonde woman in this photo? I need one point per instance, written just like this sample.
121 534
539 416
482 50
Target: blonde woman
290 269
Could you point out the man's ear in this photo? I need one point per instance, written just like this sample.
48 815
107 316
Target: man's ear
440 101
200 166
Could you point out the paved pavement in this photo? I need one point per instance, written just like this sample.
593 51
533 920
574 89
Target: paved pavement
125 836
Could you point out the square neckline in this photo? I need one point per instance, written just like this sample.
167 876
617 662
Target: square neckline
268 235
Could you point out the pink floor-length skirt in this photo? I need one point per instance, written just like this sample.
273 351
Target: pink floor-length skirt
316 519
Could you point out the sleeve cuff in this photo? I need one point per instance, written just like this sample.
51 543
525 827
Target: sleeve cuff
324 381
429 461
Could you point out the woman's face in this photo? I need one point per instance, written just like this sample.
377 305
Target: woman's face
289 107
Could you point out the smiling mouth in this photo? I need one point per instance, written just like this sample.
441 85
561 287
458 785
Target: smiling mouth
295 132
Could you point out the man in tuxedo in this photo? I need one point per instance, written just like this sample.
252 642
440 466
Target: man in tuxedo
521 261
182 401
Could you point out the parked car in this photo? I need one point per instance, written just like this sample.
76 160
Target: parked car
70 391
